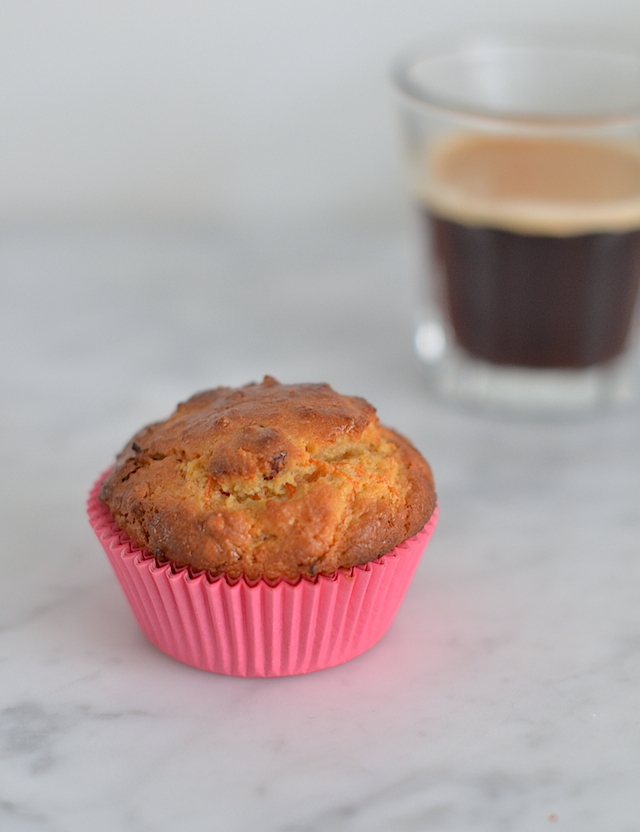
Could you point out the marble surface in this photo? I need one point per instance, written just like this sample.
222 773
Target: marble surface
504 698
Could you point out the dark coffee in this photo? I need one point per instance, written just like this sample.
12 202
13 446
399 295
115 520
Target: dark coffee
538 301
541 270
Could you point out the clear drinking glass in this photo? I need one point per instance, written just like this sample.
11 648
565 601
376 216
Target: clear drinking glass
523 159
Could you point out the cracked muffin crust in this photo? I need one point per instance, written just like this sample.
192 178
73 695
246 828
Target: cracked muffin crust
270 480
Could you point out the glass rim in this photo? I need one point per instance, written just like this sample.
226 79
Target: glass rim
575 40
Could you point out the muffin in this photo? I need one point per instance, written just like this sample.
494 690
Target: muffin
268 500
270 480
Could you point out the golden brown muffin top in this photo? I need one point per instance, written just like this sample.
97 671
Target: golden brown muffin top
270 480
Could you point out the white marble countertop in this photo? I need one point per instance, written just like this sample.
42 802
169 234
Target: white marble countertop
504 698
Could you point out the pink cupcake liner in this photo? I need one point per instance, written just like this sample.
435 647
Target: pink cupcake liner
258 628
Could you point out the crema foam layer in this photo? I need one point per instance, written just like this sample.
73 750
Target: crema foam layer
558 187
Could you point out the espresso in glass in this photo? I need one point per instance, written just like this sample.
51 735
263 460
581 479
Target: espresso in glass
537 246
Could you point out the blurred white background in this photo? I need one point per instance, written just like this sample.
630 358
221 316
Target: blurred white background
219 110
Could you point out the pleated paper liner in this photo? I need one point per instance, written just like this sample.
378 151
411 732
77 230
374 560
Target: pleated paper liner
258 628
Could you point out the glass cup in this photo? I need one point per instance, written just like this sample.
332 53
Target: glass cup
523 158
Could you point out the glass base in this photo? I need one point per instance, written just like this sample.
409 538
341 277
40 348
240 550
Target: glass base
455 376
